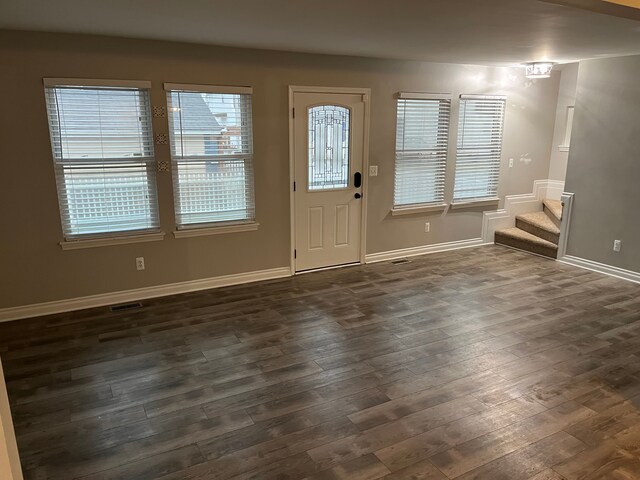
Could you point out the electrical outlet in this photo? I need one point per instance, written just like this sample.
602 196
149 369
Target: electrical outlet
427 227
373 170
511 163
140 263
617 245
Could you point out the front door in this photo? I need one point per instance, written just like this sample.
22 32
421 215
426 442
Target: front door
328 131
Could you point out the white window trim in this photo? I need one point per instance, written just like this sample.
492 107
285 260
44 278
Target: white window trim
216 230
196 230
89 82
481 202
482 97
566 143
418 209
485 202
108 241
397 210
184 87
108 238
425 96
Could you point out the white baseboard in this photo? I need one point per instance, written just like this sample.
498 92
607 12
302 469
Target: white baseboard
517 205
601 268
422 250
59 306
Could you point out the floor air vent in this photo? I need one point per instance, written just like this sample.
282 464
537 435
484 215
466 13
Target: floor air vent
125 306
401 261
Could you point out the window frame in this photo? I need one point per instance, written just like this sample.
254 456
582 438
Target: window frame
311 169
568 117
494 178
191 229
441 153
73 240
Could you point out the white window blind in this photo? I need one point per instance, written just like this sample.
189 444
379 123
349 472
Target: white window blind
102 145
422 134
479 147
212 153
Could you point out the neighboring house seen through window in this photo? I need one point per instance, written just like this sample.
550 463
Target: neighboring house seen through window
103 155
422 135
479 147
212 154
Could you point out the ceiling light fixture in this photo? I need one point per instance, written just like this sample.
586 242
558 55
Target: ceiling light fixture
538 69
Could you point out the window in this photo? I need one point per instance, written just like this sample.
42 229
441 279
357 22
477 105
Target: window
212 154
479 147
422 134
567 130
102 145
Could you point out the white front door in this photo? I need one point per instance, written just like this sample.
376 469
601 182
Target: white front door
328 132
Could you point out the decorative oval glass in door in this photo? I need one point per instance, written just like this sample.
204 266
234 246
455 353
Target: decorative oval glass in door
328 139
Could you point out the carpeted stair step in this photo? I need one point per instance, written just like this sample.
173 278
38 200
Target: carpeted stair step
553 208
540 225
517 238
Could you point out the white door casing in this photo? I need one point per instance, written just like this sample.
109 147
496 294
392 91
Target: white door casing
328 148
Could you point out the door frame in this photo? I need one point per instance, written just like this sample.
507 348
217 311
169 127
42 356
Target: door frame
366 97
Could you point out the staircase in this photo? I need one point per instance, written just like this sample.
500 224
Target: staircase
536 232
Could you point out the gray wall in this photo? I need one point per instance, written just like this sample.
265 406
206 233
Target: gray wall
604 163
35 269
566 98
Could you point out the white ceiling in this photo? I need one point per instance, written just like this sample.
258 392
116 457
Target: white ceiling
503 32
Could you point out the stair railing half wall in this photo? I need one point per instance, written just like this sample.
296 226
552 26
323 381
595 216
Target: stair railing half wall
518 204
565 223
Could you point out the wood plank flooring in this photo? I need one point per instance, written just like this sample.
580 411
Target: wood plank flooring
483 363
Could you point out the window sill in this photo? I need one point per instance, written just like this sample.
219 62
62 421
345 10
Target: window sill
199 232
418 209
107 241
489 202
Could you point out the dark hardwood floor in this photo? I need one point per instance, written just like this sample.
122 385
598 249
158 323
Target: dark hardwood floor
482 363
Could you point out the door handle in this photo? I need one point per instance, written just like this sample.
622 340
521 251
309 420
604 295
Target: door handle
357 180
357 195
